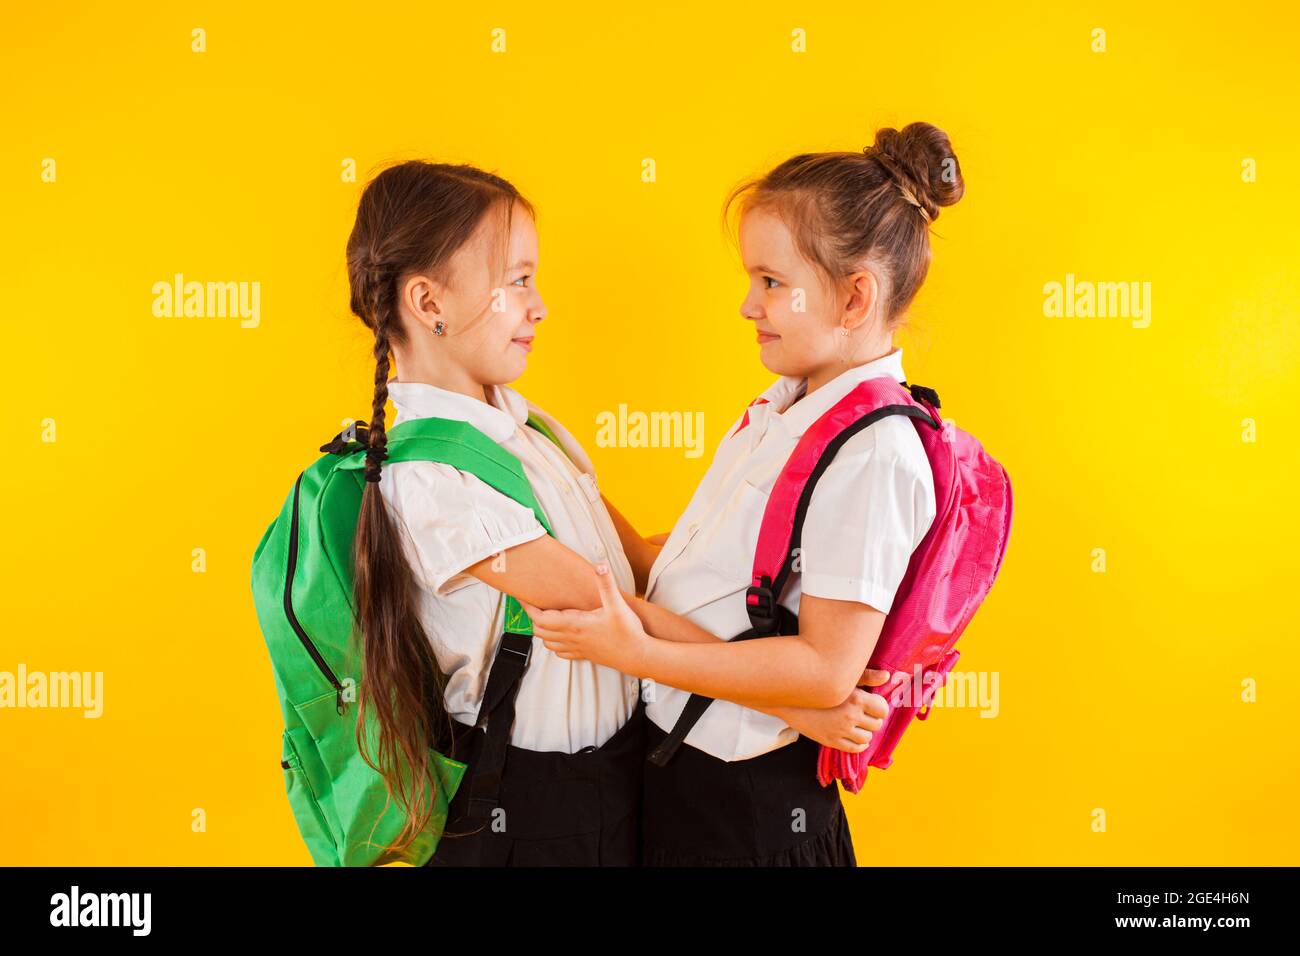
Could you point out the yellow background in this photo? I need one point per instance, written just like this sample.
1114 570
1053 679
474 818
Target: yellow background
1119 690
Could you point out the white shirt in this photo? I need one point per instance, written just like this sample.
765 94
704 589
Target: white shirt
455 520
869 511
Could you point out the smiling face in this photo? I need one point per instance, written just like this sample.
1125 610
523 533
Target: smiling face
793 308
489 320
807 324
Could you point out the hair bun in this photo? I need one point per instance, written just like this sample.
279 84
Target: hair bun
920 160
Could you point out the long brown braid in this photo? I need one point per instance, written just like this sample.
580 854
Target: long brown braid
410 220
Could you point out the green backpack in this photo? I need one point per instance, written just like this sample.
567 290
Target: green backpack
302 588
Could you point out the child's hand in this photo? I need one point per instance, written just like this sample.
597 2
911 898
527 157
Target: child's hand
847 727
611 635
873 678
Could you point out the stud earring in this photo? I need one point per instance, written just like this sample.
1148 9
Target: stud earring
843 330
439 327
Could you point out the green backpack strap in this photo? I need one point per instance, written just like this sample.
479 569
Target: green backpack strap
467 449
535 422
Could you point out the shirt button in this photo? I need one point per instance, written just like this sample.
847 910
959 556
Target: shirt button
692 529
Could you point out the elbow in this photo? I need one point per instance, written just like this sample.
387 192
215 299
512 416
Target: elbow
825 694
826 698
837 686
829 684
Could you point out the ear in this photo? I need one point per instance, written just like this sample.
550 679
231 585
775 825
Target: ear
864 293
423 298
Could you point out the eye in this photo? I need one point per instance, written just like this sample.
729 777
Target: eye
767 279
522 280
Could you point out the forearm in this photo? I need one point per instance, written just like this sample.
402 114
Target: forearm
784 671
664 624
542 572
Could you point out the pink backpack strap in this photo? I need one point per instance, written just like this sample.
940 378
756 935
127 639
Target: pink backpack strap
787 505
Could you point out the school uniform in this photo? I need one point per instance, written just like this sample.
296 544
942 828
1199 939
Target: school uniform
569 790
742 789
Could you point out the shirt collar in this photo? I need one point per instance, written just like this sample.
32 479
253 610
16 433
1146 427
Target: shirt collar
798 413
498 418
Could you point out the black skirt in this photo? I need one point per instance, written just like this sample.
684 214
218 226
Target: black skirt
767 811
557 809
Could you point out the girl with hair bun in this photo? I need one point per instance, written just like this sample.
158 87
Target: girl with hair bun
836 246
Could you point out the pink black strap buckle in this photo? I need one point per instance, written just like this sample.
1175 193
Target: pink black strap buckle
923 394
760 603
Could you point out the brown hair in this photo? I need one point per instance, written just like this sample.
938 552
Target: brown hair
411 219
847 208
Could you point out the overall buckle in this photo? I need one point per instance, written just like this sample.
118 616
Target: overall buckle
760 602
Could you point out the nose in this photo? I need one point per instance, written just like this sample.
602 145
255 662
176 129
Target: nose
538 311
750 309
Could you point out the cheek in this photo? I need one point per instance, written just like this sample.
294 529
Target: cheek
776 308
502 326
793 308
804 343
496 359
487 349
516 311
784 315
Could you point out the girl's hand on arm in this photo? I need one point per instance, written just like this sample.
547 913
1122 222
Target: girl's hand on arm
847 727
832 726
611 635
816 668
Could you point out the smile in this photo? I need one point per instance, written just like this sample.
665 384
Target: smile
525 344
765 337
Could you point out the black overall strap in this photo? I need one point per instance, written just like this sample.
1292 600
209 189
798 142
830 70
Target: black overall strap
785 623
767 617
496 716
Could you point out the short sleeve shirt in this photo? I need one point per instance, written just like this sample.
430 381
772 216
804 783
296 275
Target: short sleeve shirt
868 513
451 520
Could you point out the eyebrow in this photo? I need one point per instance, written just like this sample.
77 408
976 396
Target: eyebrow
524 264
775 272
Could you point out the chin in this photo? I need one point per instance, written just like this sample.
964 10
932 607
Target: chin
770 356
514 368
778 364
503 372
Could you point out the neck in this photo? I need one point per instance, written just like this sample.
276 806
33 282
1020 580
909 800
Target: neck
452 378
820 376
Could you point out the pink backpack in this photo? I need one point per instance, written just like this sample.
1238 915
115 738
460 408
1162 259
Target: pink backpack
950 573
